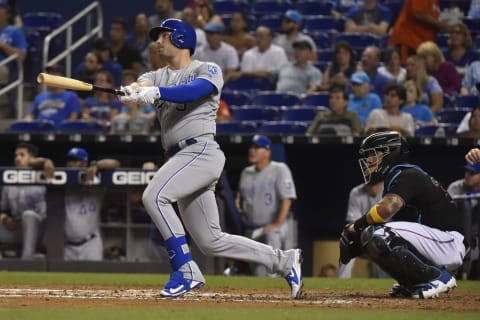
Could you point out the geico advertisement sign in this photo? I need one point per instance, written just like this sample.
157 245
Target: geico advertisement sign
33 177
132 177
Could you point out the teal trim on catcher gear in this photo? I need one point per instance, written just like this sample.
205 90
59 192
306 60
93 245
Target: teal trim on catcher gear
178 285
178 251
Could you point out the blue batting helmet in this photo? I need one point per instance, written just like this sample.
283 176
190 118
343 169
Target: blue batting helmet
183 35
78 153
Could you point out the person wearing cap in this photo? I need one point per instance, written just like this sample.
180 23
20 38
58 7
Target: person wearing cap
218 51
56 104
265 59
292 23
23 209
122 51
301 75
265 194
361 100
83 204
369 17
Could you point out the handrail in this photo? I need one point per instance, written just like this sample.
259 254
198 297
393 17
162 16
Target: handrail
15 84
69 46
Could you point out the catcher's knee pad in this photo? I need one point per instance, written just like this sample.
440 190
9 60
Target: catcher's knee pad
398 257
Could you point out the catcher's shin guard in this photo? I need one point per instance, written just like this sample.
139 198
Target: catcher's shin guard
398 257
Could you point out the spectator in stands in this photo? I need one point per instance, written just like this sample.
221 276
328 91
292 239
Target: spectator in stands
370 64
445 72
206 13
474 11
290 32
369 17
340 8
139 38
418 22
361 100
339 120
91 65
420 112
55 105
123 52
189 15
391 117
129 77
15 15
218 51
237 34
299 76
103 49
470 184
392 67
155 61
460 50
102 106
471 79
341 68
163 11
431 92
83 240
473 125
223 113
263 60
23 208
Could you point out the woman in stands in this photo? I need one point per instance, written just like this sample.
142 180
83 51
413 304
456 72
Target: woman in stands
460 49
392 68
237 34
430 91
91 65
206 12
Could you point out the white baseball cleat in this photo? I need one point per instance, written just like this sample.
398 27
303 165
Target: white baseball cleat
444 283
178 285
294 278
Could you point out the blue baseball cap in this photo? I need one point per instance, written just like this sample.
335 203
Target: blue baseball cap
473 167
4 4
294 16
262 141
78 153
360 77
214 27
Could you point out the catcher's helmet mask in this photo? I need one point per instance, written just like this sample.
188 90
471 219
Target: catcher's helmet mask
182 35
384 150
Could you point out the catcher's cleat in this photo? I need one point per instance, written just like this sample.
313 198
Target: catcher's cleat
178 285
400 291
444 283
294 278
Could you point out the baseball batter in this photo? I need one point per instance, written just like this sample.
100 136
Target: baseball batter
413 233
186 95
265 195
24 207
83 204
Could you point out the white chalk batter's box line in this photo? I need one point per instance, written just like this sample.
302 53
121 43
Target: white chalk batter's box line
154 295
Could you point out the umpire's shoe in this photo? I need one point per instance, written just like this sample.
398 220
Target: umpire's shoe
444 283
178 285
294 278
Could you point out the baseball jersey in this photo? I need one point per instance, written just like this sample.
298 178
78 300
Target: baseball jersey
295 78
14 37
226 57
287 44
262 191
18 199
359 202
181 121
82 212
55 107
101 110
426 201
271 59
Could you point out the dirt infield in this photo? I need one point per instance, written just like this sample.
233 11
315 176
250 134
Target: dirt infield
62 297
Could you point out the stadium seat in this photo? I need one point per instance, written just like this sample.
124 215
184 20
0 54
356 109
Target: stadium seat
44 22
230 6
442 40
236 98
437 130
251 21
264 7
308 7
315 23
284 127
472 24
325 55
252 84
322 39
254 113
453 116
357 40
80 126
316 99
272 21
32 126
306 114
469 101
275 99
230 127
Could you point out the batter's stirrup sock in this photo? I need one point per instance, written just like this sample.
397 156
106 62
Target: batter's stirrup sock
178 251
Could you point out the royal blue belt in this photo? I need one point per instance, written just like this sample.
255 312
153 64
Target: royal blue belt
179 146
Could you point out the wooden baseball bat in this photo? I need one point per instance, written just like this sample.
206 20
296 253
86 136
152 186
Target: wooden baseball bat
73 84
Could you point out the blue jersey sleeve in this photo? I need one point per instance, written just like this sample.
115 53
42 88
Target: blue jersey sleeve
190 92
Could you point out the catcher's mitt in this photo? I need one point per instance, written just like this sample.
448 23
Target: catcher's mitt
350 245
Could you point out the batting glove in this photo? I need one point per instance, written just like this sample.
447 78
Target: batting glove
127 97
145 96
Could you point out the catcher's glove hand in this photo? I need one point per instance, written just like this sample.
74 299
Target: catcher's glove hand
350 245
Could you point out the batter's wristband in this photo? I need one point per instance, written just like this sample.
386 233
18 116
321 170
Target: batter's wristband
361 223
376 217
